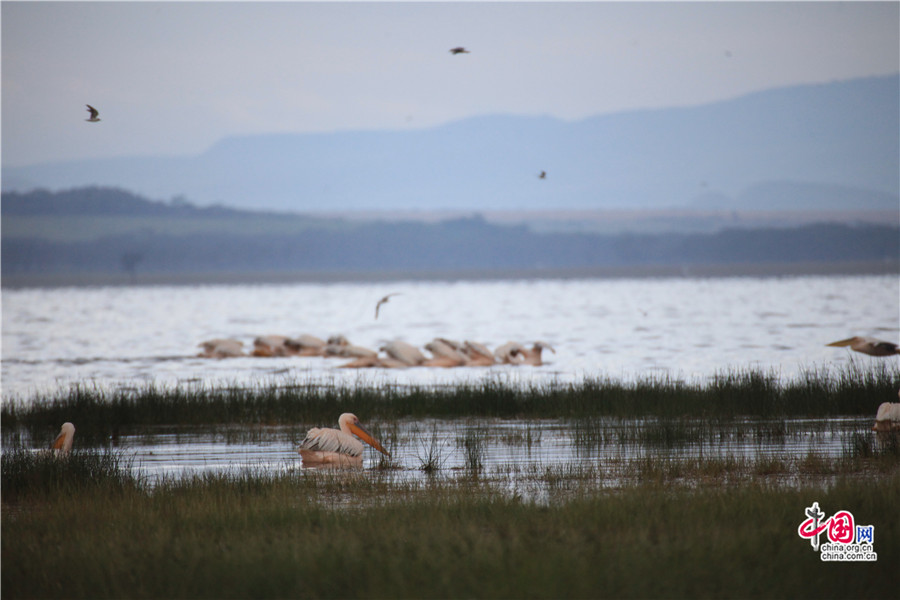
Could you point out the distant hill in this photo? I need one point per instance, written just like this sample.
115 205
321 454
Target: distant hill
834 145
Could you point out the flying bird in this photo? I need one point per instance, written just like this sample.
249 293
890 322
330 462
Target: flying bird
326 446
94 114
458 50
63 442
867 345
543 175
384 301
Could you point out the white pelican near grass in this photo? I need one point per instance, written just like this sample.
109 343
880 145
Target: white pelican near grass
63 442
888 417
332 447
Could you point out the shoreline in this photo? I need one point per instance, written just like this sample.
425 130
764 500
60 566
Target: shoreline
121 279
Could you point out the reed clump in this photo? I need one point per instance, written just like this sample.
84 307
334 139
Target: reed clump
101 413
27 475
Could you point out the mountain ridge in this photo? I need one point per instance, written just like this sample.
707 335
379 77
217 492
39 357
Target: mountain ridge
845 134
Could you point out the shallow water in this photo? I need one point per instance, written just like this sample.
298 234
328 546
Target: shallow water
495 446
115 337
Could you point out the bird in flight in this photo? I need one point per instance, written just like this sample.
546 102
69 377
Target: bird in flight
543 175
383 301
458 50
94 112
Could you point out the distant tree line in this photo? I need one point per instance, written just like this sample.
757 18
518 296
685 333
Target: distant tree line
107 201
470 243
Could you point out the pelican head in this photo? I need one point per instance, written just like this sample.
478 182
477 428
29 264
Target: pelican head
544 346
349 423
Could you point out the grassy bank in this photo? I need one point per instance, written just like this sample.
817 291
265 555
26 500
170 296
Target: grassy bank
669 532
99 413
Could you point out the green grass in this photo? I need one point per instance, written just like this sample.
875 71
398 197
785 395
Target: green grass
674 530
100 413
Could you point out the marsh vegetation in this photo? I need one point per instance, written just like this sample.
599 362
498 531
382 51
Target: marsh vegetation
635 498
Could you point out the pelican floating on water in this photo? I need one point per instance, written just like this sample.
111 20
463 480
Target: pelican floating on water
326 446
514 353
888 417
479 354
221 348
306 345
405 353
868 345
63 442
447 353
271 345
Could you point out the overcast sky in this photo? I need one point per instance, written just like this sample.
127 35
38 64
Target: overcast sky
172 78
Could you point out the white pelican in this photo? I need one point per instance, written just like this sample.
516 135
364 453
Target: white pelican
63 442
510 353
384 300
458 50
94 112
868 345
306 345
533 356
479 354
221 348
405 353
446 354
888 417
514 353
325 446
270 345
339 346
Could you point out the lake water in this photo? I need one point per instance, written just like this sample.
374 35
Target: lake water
514 453
115 337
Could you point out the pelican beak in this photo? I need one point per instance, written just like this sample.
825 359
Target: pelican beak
846 342
365 436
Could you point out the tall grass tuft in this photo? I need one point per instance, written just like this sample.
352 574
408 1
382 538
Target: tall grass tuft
474 445
27 474
431 454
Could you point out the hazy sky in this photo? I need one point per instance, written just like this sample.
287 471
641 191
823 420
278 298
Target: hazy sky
173 78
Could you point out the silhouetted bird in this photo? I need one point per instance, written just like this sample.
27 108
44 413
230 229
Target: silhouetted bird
383 301
458 50
94 112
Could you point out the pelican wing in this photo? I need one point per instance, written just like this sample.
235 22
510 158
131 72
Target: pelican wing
331 440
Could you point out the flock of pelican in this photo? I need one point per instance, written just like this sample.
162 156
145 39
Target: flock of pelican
396 354
343 447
